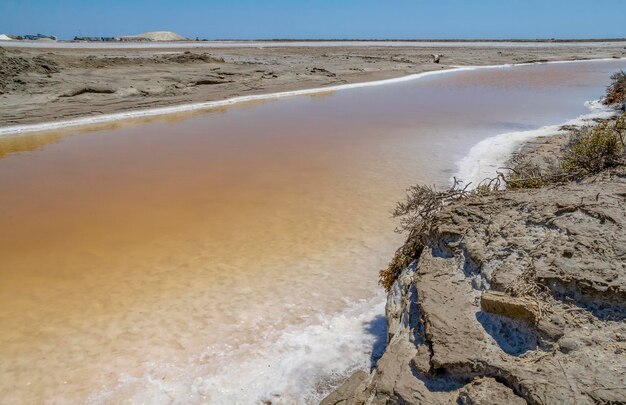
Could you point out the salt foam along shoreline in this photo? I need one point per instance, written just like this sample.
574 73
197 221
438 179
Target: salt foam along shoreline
106 118
491 154
301 366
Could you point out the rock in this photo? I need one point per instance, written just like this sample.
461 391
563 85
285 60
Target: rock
487 391
203 82
421 361
553 330
83 90
322 71
399 300
517 308
568 345
346 394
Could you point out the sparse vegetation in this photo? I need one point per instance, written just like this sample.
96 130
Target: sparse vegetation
590 150
593 149
616 92
529 175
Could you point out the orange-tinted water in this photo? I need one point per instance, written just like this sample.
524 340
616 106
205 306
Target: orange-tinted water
136 260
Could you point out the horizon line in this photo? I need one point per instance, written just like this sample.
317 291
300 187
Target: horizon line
294 39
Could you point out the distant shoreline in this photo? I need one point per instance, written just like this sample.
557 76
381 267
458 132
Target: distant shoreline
88 81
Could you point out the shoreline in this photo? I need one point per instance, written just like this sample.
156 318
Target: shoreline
488 156
162 111
182 108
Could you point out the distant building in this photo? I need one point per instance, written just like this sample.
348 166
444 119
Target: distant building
132 38
39 36
95 39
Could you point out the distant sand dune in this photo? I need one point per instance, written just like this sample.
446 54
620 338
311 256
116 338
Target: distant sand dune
161 36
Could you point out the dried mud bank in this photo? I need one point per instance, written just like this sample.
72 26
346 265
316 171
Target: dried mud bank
48 85
518 297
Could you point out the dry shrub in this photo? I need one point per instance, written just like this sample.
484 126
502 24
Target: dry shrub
417 213
523 174
616 92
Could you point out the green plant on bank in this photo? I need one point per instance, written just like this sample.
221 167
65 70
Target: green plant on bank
593 149
616 92
590 150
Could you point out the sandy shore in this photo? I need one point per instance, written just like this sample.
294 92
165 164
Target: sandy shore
45 85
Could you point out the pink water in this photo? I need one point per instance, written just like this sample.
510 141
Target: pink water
232 256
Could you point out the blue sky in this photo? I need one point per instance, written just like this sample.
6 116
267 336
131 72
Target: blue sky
248 19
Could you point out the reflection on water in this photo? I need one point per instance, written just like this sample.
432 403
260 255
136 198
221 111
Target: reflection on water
179 249
15 144
20 142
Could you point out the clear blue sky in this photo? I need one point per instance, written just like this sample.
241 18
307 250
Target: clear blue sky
241 19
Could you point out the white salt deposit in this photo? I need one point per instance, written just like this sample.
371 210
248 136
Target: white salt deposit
490 155
298 368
